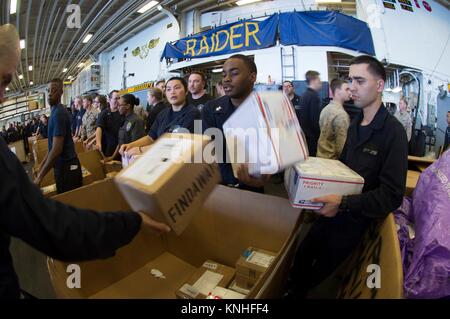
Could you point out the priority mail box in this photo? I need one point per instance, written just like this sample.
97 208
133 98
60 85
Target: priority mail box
318 177
264 132
170 181
205 279
150 266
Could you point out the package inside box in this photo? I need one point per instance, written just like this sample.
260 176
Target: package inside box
230 221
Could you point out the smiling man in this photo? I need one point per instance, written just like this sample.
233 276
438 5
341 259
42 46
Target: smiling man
377 149
239 76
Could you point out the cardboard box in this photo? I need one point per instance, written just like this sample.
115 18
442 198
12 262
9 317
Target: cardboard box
223 293
264 132
244 282
39 150
203 281
380 244
233 286
33 105
167 183
31 140
19 149
91 169
112 166
254 262
318 177
229 221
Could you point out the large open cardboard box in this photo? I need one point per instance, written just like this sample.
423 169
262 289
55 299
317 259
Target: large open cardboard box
230 221
379 247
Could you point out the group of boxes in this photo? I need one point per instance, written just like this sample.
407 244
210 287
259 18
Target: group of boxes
216 281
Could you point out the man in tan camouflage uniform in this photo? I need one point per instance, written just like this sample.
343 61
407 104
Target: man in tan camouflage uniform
404 117
334 122
88 125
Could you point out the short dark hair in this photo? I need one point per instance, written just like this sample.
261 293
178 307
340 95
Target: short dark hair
287 81
404 100
247 61
111 93
202 75
336 84
160 81
102 101
375 67
177 78
311 75
58 81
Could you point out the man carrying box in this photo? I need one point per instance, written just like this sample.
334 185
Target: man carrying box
377 149
239 76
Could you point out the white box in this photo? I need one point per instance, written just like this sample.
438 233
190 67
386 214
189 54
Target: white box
317 177
264 132
167 182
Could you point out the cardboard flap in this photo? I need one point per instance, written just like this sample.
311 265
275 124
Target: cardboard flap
92 162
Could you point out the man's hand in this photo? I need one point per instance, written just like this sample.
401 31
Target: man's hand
249 180
152 225
331 205
123 148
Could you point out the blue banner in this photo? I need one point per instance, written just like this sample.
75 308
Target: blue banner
235 37
325 28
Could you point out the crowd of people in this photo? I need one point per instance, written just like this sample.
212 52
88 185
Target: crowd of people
374 144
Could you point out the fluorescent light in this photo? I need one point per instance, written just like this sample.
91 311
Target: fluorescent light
244 2
12 6
69 77
20 77
397 89
159 7
87 38
81 65
217 70
30 68
22 44
148 6
65 70
31 83
328 1
7 89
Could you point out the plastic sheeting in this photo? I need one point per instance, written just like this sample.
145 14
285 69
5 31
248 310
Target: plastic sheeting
426 249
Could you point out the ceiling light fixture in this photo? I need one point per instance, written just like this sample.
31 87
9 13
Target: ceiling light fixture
244 2
147 6
87 38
